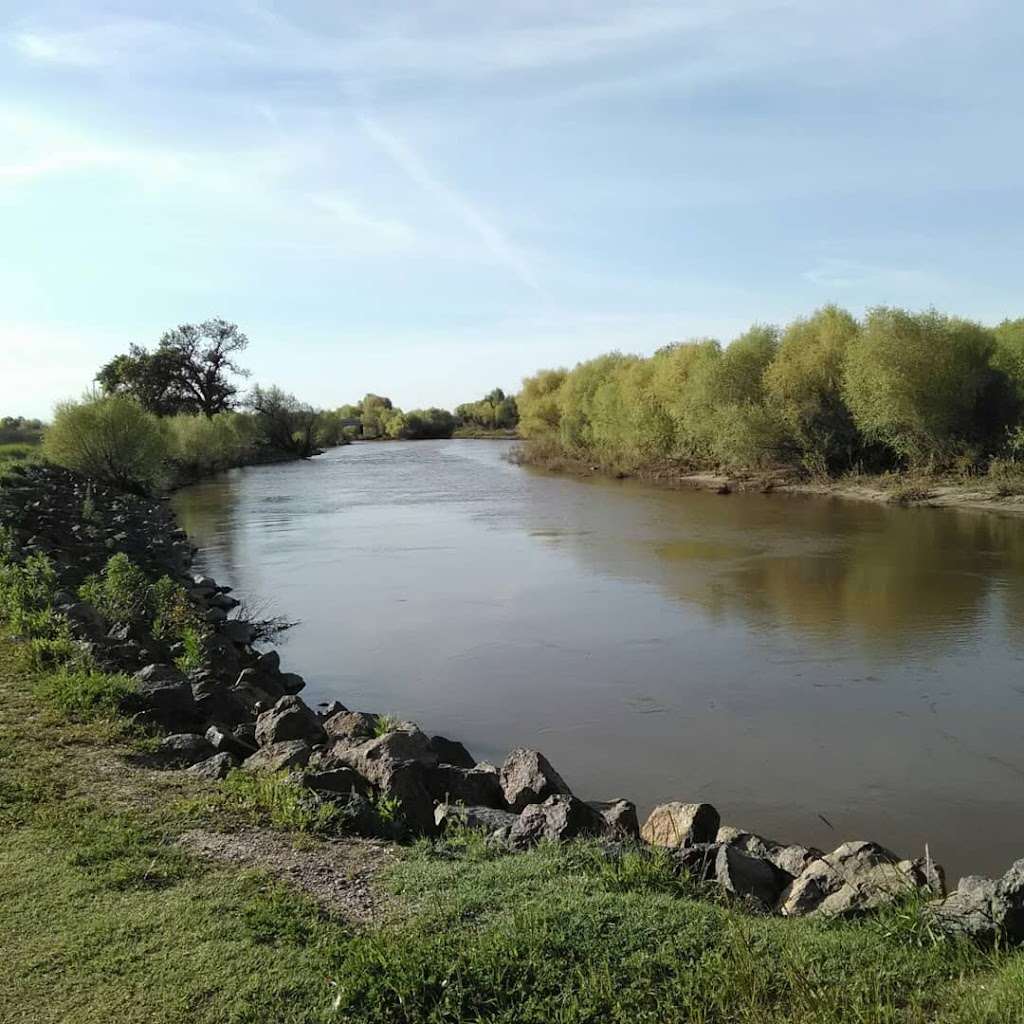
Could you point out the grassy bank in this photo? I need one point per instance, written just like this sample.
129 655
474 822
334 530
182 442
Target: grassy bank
104 916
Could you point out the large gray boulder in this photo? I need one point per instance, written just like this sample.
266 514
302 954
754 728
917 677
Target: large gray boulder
404 744
292 682
983 909
558 818
452 752
396 764
335 782
678 824
351 727
182 750
166 693
749 877
855 877
216 767
791 859
527 777
218 704
226 742
254 700
480 786
289 719
279 756
265 681
619 817
481 819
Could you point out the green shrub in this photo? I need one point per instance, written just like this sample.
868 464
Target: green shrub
111 439
120 593
201 446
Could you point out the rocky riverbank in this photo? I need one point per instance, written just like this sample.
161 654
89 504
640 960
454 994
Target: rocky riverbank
236 708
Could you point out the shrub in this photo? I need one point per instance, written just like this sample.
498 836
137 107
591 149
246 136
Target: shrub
123 593
915 382
200 446
120 592
112 439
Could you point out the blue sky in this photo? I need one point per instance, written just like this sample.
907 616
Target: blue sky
432 198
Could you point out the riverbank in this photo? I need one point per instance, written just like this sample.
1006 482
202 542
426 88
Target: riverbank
674 928
911 490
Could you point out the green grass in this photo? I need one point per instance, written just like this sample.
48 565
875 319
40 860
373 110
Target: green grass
103 917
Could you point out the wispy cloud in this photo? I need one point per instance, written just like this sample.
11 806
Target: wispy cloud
349 213
489 235
841 273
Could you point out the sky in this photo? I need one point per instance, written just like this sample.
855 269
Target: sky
432 198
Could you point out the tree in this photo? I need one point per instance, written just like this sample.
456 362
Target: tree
495 411
805 385
111 438
188 372
540 410
206 354
153 379
373 411
426 424
922 383
283 422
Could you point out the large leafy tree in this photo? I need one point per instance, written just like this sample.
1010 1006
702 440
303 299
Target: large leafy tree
190 370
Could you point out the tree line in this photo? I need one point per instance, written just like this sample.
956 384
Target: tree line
178 412
828 393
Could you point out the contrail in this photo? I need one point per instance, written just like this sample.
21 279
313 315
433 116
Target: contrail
409 162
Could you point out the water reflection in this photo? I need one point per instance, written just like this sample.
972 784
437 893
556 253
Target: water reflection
890 579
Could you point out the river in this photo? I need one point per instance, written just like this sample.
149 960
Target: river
818 669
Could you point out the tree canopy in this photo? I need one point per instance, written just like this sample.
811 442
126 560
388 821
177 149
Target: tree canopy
828 393
190 371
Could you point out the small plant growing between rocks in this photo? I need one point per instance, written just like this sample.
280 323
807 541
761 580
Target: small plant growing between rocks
192 658
285 804
123 593
387 808
90 514
385 724
119 592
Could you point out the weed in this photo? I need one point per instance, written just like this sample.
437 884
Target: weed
384 724
387 808
282 802
194 656
85 693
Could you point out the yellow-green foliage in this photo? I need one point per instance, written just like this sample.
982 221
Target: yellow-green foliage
539 404
200 446
110 438
826 393
914 381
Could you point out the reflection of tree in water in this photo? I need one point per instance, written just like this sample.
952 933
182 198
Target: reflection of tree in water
890 578
210 513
